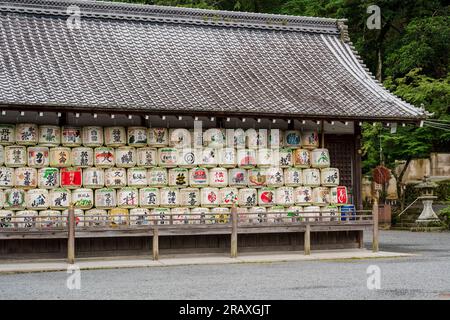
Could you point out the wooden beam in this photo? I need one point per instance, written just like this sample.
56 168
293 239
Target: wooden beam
307 243
234 243
71 236
155 244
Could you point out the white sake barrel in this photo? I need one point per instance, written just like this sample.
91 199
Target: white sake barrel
140 217
83 198
198 177
170 197
265 158
149 197
302 158
137 136
275 177
209 158
49 219
293 177
221 215
25 218
71 178
311 177
125 157
15 156
59 198
137 177
7 134
237 177
104 157
190 197
218 177
310 139
158 177
214 138
257 177
329 213
338 195
188 157
128 197
236 138
294 214
38 157
209 197
115 136
2 155
161 216
93 178
196 137
256 138
246 158
25 177
276 214
6 177
242 215
247 197
199 215
303 196
168 157
78 214
285 158
180 215
82 157
257 214
26 134
146 157
285 196
275 139
2 198
95 217
37 199
49 136
180 138
118 217
92 136
320 196
158 137
105 198
329 177
60 157
178 177
115 177
292 139
71 136
14 199
267 197
227 157
320 158
6 219
228 196
311 213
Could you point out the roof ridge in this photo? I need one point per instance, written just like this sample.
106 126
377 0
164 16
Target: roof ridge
142 12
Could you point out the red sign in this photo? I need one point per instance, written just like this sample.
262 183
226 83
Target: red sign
341 195
71 177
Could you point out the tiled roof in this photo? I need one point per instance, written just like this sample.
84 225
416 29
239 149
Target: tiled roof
152 58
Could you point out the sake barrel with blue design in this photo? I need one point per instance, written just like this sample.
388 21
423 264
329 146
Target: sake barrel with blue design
292 138
347 212
198 177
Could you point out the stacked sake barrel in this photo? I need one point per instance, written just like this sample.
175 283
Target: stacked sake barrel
140 175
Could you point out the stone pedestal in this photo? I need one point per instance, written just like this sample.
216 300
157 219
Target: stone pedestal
428 214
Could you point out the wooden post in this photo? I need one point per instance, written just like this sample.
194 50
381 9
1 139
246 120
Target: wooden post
71 235
375 225
155 243
360 239
234 223
307 243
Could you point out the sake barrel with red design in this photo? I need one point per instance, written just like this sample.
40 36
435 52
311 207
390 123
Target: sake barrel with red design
310 139
158 137
246 158
37 199
125 157
59 198
6 177
26 134
247 197
321 196
170 197
15 156
25 177
49 136
285 159
237 178
285 196
149 197
320 158
158 177
38 157
25 218
71 178
209 197
137 136
198 177
104 157
92 136
71 136
292 139
60 157
7 134
180 138
293 177
257 177
105 198
190 197
218 177
266 197
303 196
228 196
161 216
178 177
115 136
302 158
83 157
140 217
137 177
311 177
115 177
147 157
339 195
78 215
128 197
83 198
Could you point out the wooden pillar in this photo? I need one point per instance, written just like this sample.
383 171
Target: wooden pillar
307 243
155 244
71 236
322 132
375 226
234 223
360 238
357 170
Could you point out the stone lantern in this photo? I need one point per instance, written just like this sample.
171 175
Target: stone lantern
426 188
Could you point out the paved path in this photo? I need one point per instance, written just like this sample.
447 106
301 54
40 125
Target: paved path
426 276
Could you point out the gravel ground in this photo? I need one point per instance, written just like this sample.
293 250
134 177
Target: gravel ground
423 277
